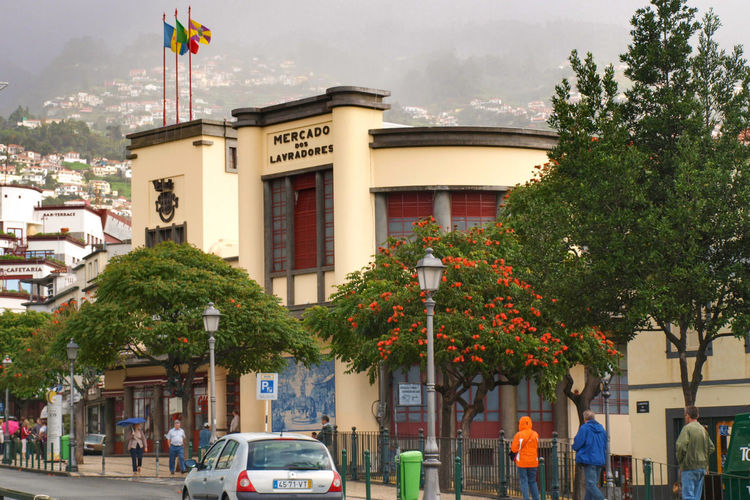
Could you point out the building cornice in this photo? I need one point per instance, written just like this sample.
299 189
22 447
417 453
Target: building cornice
180 131
416 137
334 97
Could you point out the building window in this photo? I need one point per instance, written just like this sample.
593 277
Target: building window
278 221
172 233
531 404
404 209
618 389
306 202
409 419
472 208
231 156
305 235
18 232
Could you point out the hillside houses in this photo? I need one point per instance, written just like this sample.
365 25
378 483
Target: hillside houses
67 175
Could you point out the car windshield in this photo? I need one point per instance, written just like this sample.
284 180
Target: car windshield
287 454
93 439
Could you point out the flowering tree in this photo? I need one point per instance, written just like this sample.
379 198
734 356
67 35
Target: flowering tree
25 338
491 328
149 306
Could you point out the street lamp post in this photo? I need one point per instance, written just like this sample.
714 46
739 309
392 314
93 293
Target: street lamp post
606 379
211 318
6 364
72 355
430 273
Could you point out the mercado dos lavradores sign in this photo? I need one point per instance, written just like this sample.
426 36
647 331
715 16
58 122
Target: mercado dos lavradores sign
312 144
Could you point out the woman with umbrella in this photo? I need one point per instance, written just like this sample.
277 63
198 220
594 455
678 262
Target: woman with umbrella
137 443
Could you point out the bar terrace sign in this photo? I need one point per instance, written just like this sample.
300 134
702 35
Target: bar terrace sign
313 142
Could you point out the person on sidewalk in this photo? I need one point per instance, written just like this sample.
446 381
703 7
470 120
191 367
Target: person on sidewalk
136 446
325 435
525 445
204 438
176 437
590 445
234 426
693 448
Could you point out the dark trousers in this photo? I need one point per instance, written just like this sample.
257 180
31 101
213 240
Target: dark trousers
136 455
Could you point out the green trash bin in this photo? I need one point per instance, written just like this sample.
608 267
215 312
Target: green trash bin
736 472
65 447
411 466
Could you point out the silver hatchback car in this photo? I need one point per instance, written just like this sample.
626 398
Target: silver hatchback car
263 465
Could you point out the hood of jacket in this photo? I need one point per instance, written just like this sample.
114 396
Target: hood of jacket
595 427
524 424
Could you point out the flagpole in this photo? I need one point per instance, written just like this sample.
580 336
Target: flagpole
164 74
190 64
176 71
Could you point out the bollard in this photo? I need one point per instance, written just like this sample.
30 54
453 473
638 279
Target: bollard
157 449
385 458
190 449
460 444
343 472
647 477
555 486
502 483
368 496
542 480
421 449
335 450
104 452
458 482
397 460
354 453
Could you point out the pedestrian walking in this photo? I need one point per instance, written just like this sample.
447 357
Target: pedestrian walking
590 445
137 444
176 437
693 448
325 435
25 433
525 446
204 438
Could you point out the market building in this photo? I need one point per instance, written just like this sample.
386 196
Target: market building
300 194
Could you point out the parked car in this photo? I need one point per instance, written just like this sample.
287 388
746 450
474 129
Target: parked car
93 443
264 465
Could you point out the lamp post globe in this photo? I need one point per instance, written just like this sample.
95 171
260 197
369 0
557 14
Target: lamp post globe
6 456
211 317
430 274
606 380
72 349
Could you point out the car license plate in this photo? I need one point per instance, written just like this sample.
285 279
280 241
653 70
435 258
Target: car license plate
292 484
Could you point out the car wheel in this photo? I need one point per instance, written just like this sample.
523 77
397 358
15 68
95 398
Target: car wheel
185 494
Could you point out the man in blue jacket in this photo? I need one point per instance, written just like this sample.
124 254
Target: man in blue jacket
590 445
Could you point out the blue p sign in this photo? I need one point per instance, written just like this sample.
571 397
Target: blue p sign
266 386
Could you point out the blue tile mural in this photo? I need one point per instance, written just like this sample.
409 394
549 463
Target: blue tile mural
305 394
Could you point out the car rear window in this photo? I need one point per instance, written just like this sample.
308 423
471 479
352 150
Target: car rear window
287 454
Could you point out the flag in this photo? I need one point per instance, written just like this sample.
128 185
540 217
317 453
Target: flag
198 34
178 40
168 33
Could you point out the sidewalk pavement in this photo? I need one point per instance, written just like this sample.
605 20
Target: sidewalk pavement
121 467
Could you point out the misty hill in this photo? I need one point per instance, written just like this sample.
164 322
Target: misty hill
440 68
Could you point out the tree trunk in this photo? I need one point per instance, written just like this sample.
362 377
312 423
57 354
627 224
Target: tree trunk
582 401
80 424
446 431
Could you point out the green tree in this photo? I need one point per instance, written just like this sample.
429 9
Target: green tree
149 306
640 218
25 338
491 328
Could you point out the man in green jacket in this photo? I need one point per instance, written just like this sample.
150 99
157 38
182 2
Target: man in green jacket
693 449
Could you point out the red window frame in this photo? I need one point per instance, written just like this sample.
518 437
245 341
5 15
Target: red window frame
404 209
472 208
305 224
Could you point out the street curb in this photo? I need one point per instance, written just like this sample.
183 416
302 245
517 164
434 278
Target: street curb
41 471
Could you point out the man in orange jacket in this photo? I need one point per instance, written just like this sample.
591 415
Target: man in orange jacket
525 445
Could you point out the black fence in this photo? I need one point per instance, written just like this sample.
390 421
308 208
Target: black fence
486 469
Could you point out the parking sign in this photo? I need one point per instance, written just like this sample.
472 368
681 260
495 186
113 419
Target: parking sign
267 386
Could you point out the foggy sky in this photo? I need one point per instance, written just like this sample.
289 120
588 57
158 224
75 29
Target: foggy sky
35 30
